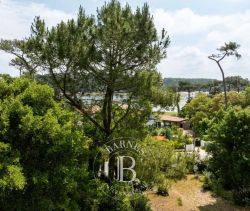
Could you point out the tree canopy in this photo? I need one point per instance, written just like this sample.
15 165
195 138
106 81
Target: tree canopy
230 147
228 49
114 51
43 158
203 108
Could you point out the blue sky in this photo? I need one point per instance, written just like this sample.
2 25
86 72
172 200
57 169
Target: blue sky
196 29
199 6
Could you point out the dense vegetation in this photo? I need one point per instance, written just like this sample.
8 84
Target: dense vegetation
228 133
230 150
173 82
213 86
43 159
116 50
204 108
50 134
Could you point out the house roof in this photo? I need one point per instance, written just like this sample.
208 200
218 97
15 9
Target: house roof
171 118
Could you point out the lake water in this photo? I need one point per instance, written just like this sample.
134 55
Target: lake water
119 97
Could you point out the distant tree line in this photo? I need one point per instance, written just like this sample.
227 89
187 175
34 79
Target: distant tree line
213 86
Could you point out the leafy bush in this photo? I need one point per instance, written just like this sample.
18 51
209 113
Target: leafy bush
114 197
241 196
189 139
169 134
179 201
164 162
163 189
139 202
155 132
11 172
44 150
207 180
210 182
177 144
230 150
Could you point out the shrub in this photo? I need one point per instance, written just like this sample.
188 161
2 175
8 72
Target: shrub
139 202
230 152
177 144
207 180
44 150
155 132
163 185
117 196
157 158
242 196
169 134
163 190
179 201
210 182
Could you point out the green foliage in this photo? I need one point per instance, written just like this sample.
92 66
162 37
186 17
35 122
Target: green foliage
230 150
197 110
139 202
207 180
177 144
236 83
241 196
43 150
179 201
183 164
173 82
211 183
116 50
103 197
165 164
169 134
247 96
154 131
134 125
11 175
177 137
163 188
229 49
203 108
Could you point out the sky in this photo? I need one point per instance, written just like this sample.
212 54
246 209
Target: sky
196 29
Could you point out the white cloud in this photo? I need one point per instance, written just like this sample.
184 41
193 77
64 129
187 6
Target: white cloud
185 21
16 19
187 59
194 37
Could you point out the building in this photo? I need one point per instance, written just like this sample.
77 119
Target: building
168 121
173 120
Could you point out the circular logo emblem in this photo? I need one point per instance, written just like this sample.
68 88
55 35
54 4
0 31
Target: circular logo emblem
121 163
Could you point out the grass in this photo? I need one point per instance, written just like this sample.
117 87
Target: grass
179 202
188 194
